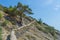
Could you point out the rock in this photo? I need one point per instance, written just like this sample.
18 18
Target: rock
12 35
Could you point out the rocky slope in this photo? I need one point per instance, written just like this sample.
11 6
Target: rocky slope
31 30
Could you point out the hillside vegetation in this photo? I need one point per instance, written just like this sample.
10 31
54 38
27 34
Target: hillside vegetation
25 27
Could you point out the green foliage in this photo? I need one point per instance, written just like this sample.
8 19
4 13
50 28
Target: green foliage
5 23
17 10
5 9
50 29
40 21
23 9
12 11
1 15
47 29
41 29
1 7
13 22
0 33
45 24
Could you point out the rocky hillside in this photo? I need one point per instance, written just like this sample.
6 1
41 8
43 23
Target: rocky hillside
31 30
15 24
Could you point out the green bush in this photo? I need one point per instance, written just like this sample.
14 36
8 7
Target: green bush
51 30
5 23
1 15
39 21
41 29
47 29
1 7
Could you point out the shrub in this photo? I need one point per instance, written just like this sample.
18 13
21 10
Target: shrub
40 21
1 15
5 23
45 24
51 30
13 22
41 29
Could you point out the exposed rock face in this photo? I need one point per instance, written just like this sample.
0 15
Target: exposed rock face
31 33
12 35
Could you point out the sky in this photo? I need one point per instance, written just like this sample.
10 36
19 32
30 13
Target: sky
47 10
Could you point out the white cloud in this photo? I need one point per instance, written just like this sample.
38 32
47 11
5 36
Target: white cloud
48 2
57 7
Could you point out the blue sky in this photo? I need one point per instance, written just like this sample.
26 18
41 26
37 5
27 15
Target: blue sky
48 10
